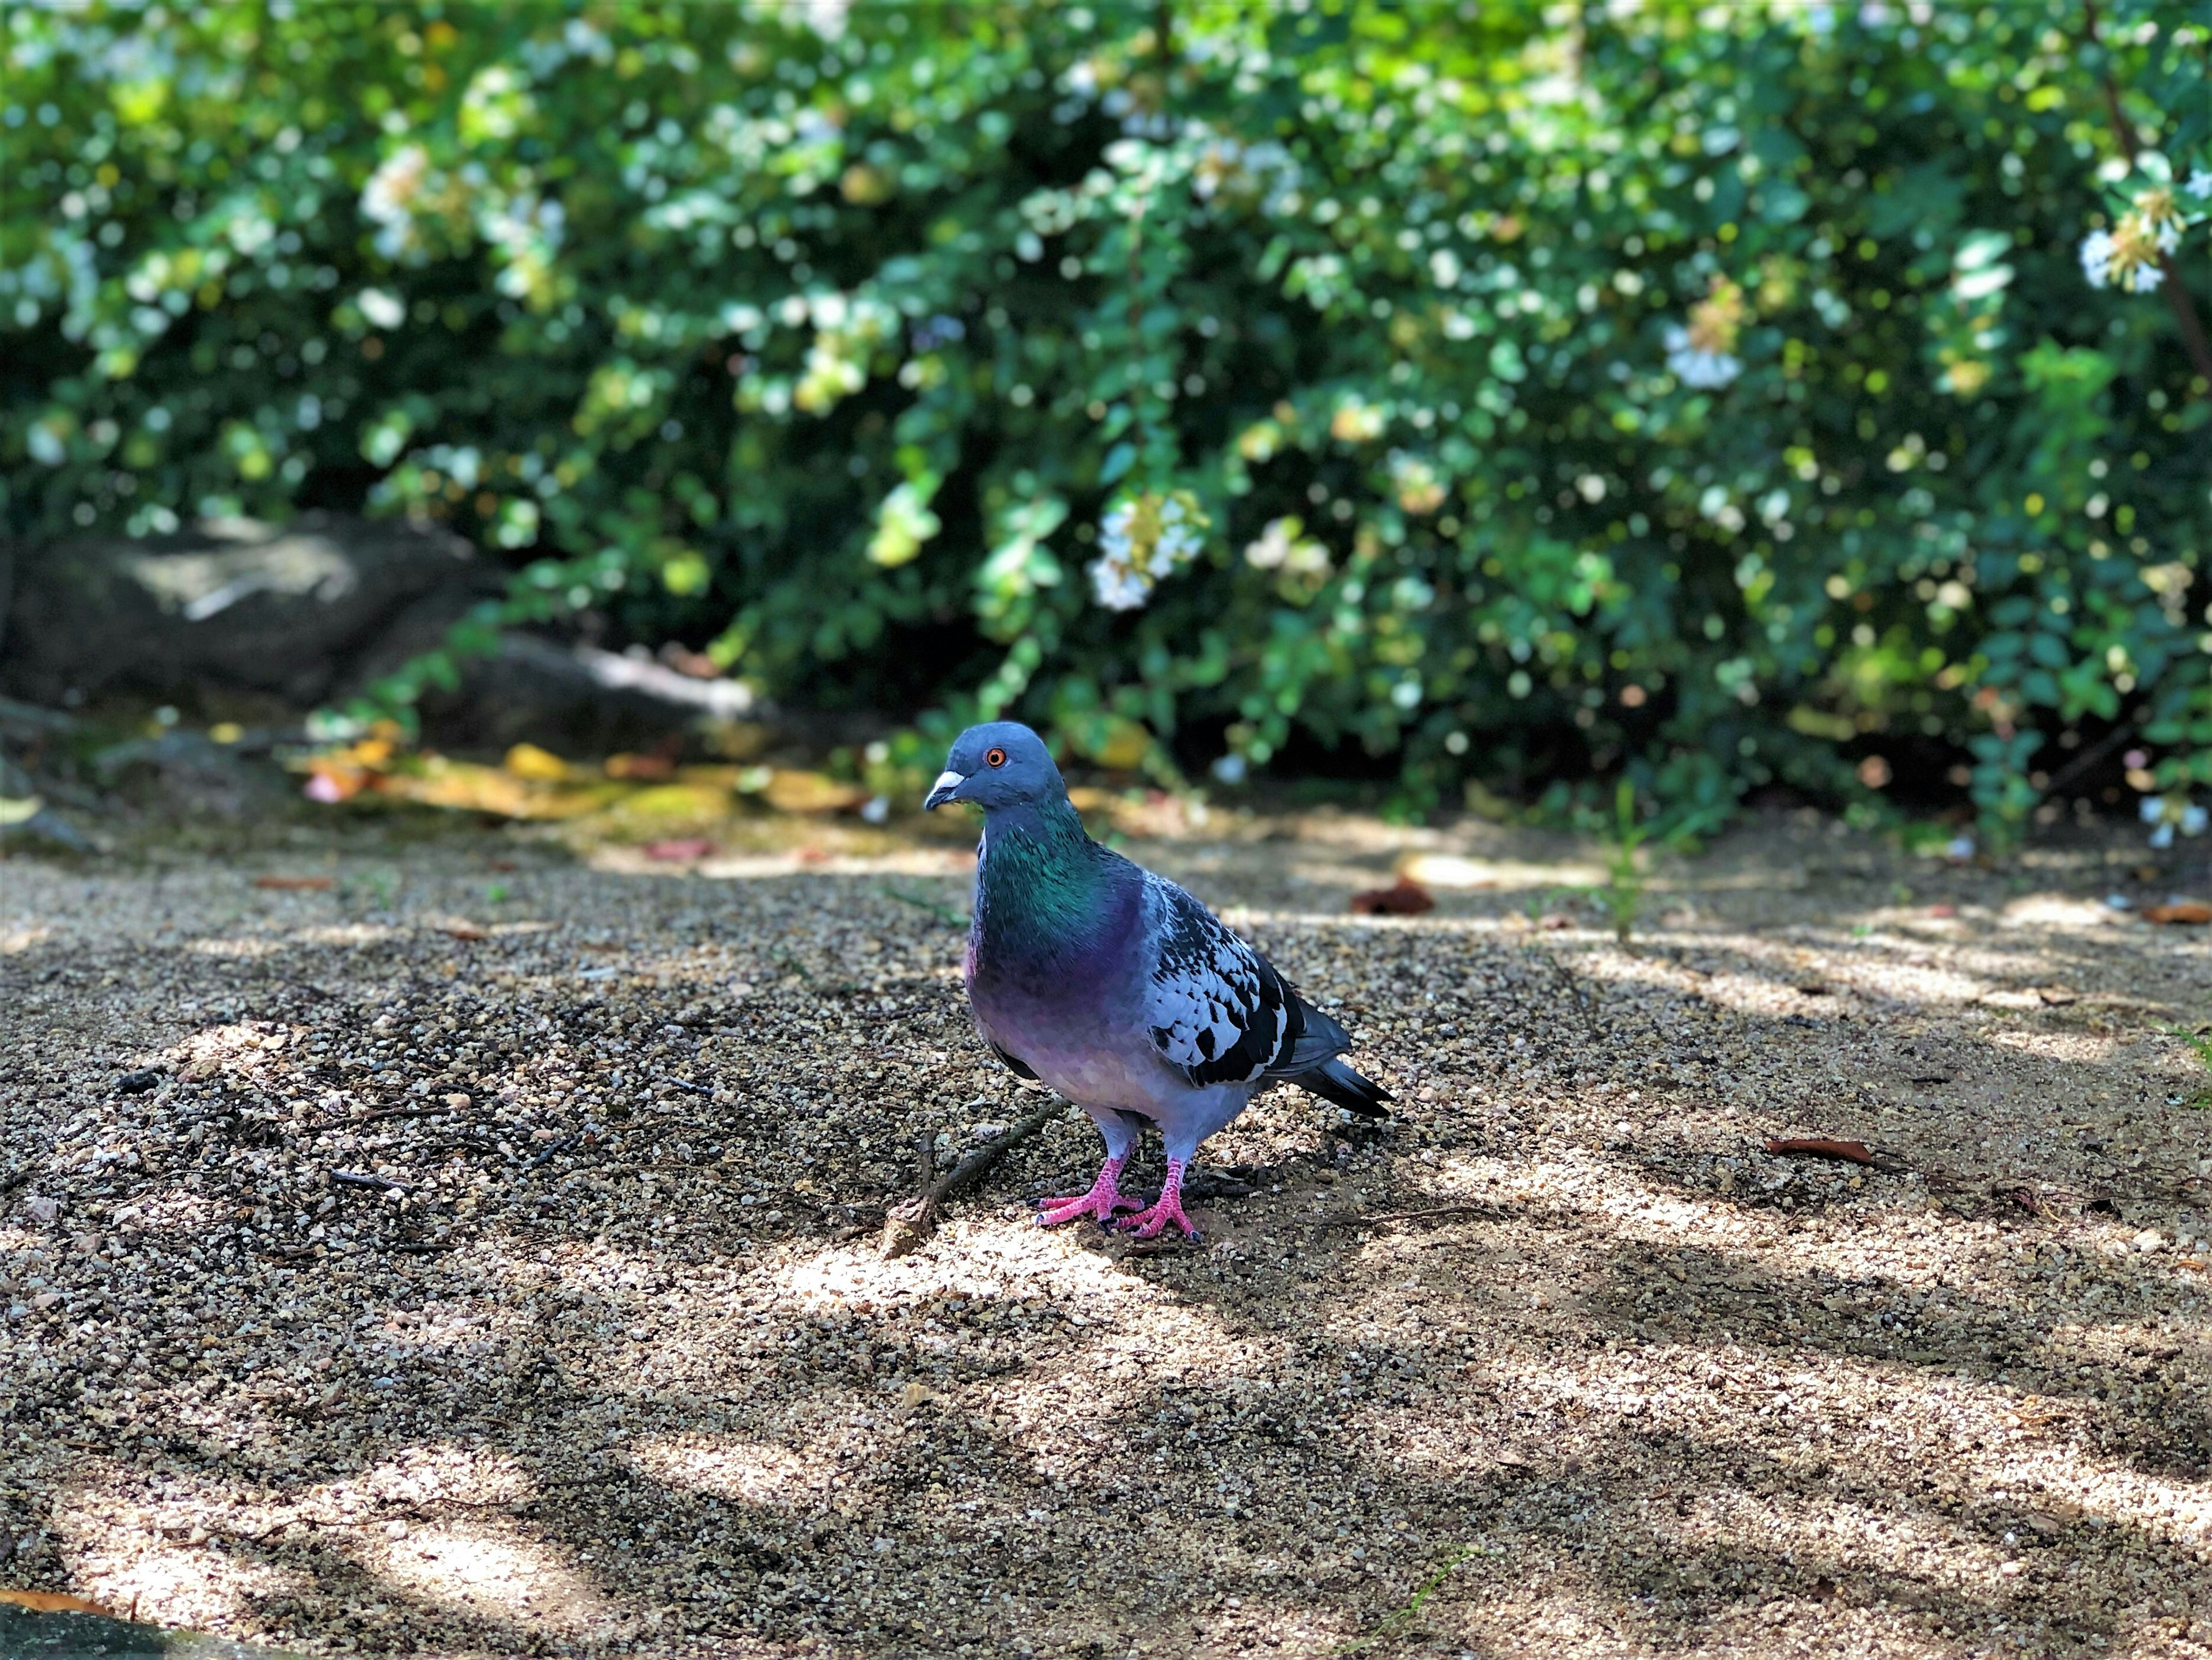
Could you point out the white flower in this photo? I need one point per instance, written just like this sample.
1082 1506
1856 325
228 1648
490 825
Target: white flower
2097 257
2200 183
1116 587
1273 546
389 195
382 309
1141 540
1698 368
2168 814
2145 278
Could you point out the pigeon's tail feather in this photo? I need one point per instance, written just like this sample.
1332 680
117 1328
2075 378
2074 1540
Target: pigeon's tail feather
1335 1081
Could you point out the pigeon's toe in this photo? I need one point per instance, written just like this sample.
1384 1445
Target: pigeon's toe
1051 1212
1150 1224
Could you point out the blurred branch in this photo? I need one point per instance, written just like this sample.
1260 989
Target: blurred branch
27 720
2178 298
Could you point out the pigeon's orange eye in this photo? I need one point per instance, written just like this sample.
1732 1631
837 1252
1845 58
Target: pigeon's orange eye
994 757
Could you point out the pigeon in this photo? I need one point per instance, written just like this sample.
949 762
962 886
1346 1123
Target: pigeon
1116 988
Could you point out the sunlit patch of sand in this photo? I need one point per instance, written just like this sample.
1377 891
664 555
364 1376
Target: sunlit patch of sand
486 1568
2078 1048
2054 910
923 861
23 940
156 1562
234 947
347 933
1450 873
752 1471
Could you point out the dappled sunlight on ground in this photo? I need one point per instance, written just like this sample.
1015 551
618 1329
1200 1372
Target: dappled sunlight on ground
499 1572
590 1348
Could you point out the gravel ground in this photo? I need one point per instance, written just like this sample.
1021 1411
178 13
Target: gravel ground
477 1257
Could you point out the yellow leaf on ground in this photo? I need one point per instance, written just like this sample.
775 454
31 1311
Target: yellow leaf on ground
665 803
19 809
543 766
469 786
792 791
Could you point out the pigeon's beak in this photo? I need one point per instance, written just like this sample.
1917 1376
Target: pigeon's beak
946 788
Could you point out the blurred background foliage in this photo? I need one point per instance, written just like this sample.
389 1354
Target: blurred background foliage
1493 400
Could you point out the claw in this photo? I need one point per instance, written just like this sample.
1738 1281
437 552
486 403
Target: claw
1167 1209
1051 1212
1104 1198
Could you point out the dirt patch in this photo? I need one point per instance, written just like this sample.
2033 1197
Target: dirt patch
477 1257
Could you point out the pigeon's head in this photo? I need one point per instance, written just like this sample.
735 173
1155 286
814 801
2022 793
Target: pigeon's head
1000 764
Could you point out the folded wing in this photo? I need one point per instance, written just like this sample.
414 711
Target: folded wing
1217 1010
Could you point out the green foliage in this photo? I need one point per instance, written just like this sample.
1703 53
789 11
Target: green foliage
1508 393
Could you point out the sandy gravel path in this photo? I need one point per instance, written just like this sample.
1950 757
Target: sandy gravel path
476 1256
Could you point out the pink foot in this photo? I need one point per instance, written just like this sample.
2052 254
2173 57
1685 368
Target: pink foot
1148 1224
1104 1198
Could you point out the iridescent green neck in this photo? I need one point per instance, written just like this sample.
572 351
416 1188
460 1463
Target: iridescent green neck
1038 883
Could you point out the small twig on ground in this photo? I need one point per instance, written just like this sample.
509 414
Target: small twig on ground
909 1225
1848 1153
1472 1207
682 1084
553 1149
346 1178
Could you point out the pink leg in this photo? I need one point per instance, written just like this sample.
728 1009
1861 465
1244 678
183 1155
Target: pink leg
1147 1224
1104 1198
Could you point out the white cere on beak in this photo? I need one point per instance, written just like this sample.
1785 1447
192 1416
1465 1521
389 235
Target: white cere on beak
947 782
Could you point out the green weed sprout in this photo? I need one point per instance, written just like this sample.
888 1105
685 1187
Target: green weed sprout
1396 1622
1622 895
2200 1045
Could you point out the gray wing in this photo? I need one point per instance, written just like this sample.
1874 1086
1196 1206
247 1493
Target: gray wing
1217 1010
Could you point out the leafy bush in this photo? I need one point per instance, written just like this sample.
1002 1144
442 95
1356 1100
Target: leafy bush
1503 394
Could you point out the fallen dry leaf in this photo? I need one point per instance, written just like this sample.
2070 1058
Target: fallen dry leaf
1943 911
464 931
2188 914
296 884
679 847
1407 898
52 1601
1820 1146
641 766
